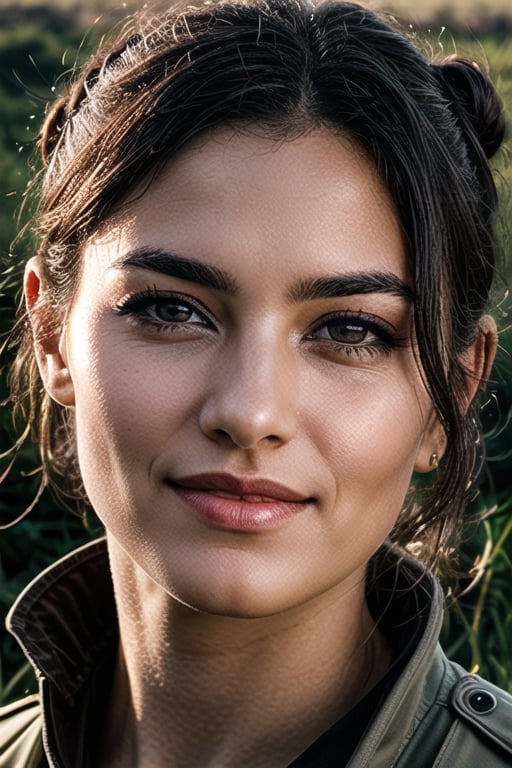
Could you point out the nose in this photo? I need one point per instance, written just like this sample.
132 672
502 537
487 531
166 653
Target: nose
252 400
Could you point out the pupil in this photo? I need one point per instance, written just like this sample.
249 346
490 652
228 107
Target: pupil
348 333
173 313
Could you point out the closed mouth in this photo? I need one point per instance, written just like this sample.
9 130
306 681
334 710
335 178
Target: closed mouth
248 489
239 504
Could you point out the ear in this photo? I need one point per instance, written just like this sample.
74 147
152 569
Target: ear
48 339
477 361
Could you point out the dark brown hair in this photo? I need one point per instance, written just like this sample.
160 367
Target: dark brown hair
288 66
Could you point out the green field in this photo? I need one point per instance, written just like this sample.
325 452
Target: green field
39 44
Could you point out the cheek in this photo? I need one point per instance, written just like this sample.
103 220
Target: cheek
369 431
131 404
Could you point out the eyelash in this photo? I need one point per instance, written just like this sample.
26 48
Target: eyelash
141 307
385 337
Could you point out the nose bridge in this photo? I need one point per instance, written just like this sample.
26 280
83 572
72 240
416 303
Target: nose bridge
253 393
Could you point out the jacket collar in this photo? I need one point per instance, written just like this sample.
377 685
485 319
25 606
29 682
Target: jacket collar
414 590
66 623
66 618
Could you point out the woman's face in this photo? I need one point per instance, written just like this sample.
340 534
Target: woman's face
248 407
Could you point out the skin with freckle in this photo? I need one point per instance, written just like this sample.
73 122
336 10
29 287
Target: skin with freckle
255 316
154 404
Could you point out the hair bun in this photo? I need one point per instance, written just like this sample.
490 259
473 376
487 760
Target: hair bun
477 99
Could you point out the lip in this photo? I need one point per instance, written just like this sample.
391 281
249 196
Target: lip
239 503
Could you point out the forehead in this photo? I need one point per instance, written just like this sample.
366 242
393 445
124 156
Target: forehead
312 201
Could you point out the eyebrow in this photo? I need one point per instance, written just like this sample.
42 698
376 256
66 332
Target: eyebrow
350 284
158 260
333 286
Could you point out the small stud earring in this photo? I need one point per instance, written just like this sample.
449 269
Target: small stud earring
434 460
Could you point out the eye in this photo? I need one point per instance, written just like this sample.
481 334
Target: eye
355 333
173 311
344 331
163 310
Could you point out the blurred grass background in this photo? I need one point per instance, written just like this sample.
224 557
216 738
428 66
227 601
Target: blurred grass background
40 44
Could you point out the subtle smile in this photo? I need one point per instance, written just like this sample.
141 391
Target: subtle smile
239 503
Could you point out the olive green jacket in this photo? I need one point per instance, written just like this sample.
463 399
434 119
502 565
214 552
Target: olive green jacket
435 716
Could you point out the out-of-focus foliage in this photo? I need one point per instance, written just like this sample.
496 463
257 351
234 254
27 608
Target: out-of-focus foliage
38 49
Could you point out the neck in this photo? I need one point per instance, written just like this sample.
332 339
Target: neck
194 689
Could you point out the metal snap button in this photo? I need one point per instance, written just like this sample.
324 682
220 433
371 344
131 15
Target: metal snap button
481 702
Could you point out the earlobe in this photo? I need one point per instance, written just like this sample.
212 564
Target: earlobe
432 448
48 336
